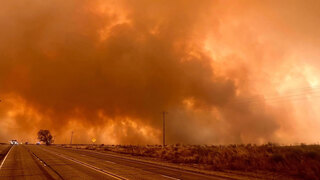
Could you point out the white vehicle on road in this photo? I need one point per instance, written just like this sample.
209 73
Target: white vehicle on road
14 142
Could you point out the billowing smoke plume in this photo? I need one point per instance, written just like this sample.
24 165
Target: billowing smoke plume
107 69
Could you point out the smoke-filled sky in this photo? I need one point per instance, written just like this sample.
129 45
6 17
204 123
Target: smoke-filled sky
225 71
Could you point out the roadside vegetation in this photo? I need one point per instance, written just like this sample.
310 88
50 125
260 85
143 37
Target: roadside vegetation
45 136
4 148
302 161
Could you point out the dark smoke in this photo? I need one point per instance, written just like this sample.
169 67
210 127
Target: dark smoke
109 69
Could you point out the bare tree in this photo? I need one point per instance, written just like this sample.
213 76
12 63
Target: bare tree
45 136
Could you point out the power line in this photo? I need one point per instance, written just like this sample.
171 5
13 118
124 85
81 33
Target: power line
276 98
164 128
293 90
71 137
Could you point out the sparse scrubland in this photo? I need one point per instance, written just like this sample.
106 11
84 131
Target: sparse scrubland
302 161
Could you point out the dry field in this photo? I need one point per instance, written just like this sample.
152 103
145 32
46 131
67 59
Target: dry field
302 161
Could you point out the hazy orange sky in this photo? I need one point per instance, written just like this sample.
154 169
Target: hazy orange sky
225 71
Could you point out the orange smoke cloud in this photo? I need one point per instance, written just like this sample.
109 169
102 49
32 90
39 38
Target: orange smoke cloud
107 69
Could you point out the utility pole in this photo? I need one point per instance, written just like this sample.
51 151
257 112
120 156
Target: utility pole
164 127
71 137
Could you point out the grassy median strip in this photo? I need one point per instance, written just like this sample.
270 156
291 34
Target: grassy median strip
5 155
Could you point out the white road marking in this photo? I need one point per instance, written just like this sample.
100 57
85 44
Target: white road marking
153 164
5 157
89 166
111 162
39 159
170 177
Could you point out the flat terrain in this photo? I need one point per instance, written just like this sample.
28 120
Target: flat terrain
268 161
51 162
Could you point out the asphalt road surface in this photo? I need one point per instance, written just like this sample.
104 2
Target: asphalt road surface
43 162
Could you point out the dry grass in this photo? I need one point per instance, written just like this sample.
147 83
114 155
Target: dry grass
4 148
301 161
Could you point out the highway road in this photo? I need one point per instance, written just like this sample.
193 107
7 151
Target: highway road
51 162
